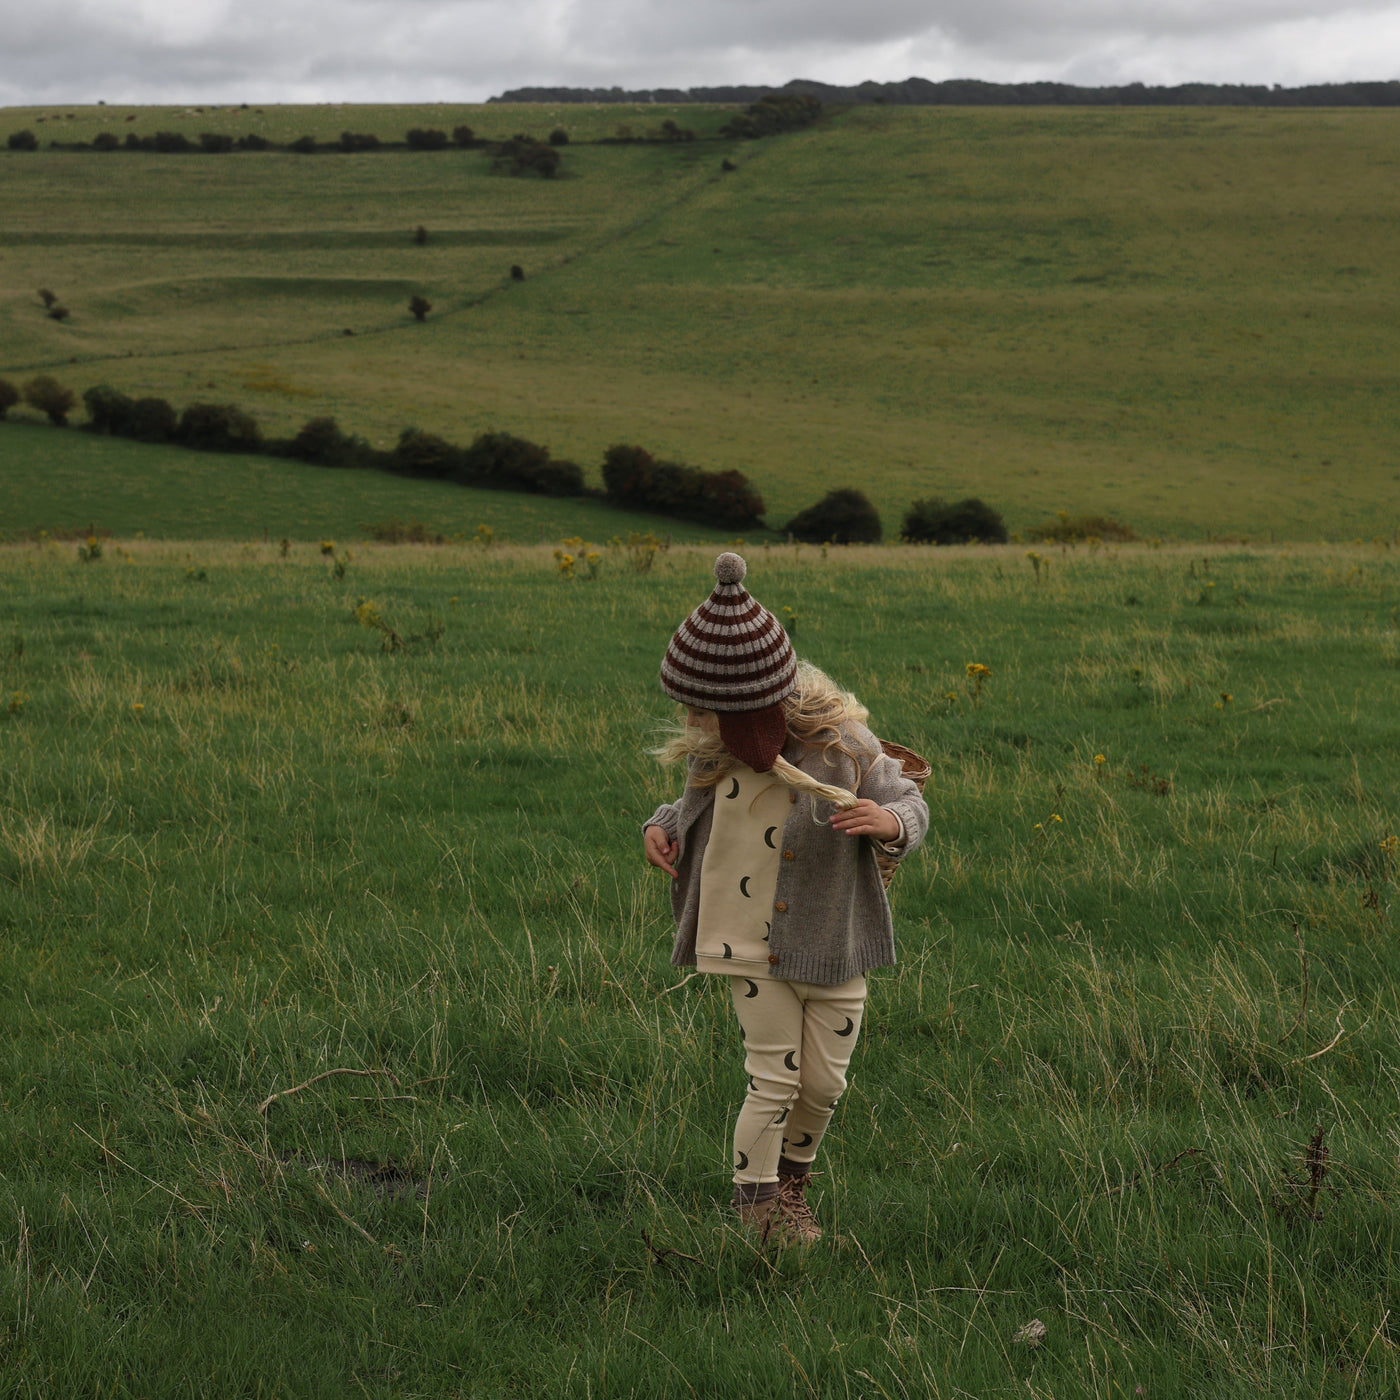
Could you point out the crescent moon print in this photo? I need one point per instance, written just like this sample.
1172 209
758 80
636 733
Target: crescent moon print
806 1141
850 1024
767 929
744 886
781 1118
753 987
768 838
729 953
789 1060
734 791
743 1162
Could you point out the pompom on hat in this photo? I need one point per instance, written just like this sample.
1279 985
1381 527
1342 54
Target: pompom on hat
732 656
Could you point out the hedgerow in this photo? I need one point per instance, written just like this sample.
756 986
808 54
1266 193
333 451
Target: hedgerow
843 516
632 477
935 521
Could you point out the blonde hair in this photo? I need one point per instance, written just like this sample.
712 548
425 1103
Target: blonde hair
815 712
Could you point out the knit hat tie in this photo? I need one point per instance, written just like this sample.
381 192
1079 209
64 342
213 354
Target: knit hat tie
732 656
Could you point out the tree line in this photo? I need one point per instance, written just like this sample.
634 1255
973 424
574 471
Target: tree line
971 92
521 153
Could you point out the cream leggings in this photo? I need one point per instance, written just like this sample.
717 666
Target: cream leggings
798 1039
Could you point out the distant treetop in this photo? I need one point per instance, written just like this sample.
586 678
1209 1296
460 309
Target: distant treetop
970 92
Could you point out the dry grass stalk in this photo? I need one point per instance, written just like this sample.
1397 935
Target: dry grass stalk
316 1079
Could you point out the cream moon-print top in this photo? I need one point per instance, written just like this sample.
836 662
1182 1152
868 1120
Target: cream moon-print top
740 872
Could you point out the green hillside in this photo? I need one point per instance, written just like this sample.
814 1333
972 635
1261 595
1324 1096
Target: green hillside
64 482
1187 319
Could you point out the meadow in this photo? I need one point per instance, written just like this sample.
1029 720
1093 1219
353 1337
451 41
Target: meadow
1183 318
340 1052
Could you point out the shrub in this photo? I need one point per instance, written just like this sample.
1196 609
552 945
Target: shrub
151 420
524 153
632 477
419 306
253 142
59 312
670 131
108 409
51 398
9 397
304 146
934 521
558 137
426 140
543 160
420 235
321 442
358 141
106 141
843 516
215 143
463 135
772 114
729 498
133 142
46 296
1067 529
171 143
218 427
424 454
23 141
515 464
517 273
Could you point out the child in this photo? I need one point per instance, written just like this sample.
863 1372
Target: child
771 853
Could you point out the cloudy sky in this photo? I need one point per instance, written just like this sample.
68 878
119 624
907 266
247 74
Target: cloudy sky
74 51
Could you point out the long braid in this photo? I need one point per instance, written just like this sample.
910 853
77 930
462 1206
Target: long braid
803 782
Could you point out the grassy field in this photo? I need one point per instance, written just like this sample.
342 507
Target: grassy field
241 845
1187 319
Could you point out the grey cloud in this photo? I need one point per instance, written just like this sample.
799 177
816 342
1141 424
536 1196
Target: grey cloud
464 50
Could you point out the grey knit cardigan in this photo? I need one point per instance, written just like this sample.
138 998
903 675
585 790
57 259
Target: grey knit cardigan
830 919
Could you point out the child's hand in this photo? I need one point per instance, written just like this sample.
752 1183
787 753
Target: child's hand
660 850
867 818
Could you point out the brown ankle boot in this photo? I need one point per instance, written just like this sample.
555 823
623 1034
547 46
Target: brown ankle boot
794 1210
763 1221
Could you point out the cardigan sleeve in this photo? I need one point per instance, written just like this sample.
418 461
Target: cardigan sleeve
884 782
665 817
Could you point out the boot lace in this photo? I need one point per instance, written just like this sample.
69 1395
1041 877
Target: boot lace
792 1203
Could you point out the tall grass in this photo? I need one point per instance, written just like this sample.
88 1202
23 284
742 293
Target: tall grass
242 845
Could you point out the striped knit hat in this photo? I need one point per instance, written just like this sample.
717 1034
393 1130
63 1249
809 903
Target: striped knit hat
731 655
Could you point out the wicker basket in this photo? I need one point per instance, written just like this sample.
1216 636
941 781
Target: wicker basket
914 766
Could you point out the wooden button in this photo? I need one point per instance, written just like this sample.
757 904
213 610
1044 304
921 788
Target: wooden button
789 855
772 960
781 907
792 797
